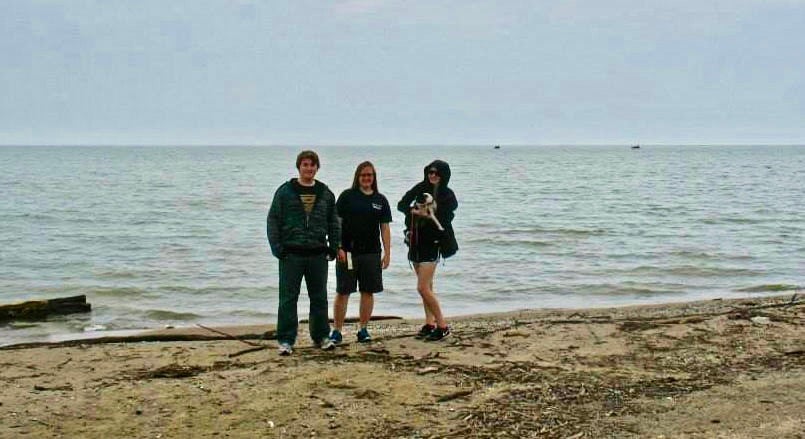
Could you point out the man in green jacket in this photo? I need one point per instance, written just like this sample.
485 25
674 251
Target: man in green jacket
304 234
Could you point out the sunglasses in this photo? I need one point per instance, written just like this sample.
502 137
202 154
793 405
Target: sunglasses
433 172
367 175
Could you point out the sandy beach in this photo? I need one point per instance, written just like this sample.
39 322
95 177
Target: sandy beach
718 368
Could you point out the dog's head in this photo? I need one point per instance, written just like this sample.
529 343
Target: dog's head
424 199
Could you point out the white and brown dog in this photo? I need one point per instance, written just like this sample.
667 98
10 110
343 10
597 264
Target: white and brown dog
425 206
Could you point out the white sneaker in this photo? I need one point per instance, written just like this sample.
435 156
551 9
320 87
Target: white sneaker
285 349
326 344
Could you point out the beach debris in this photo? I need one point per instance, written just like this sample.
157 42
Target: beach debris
40 309
760 320
454 395
228 335
376 351
270 424
171 371
357 319
637 326
41 422
53 388
248 351
367 394
426 370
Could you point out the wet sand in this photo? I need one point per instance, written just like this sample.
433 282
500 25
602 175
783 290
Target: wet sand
718 368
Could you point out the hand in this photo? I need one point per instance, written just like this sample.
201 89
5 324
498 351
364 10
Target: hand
342 256
419 212
386 260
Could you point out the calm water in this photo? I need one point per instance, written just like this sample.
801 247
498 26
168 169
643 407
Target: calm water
176 235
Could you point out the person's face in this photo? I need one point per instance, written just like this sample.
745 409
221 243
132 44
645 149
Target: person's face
366 177
433 176
307 169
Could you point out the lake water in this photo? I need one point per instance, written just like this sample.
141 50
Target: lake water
160 236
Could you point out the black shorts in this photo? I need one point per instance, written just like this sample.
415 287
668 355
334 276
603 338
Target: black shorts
424 252
367 272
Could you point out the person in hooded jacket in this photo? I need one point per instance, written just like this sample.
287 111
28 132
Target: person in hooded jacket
427 244
304 234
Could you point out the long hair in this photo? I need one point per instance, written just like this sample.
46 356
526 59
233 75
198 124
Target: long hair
356 183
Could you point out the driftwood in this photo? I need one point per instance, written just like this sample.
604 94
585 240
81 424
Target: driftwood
356 319
41 309
152 337
227 335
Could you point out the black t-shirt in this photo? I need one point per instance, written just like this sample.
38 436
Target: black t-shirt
361 216
307 194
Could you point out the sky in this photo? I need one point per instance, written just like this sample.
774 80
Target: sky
401 72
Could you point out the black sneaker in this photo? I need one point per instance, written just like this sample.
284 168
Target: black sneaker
438 334
424 331
363 336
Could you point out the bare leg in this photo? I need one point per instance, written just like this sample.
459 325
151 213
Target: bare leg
429 318
340 310
367 304
433 312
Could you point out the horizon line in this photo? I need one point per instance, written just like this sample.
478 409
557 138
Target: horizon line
384 145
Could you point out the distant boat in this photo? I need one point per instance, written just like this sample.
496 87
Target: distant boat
497 146
635 146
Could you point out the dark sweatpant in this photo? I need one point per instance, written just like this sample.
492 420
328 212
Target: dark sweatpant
314 270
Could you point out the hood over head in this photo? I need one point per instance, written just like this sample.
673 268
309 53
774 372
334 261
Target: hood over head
442 167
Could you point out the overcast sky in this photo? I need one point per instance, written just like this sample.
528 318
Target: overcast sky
402 72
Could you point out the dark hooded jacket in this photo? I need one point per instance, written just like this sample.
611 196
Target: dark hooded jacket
446 205
291 230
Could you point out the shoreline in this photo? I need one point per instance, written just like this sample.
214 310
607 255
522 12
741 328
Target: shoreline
711 368
57 337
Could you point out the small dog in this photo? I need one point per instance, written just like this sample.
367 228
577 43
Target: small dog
426 206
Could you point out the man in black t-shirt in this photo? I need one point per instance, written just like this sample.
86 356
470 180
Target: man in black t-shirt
365 216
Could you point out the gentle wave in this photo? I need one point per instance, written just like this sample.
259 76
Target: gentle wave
769 288
692 254
691 271
731 220
162 314
507 241
123 291
36 216
251 313
117 274
628 290
558 231
536 230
